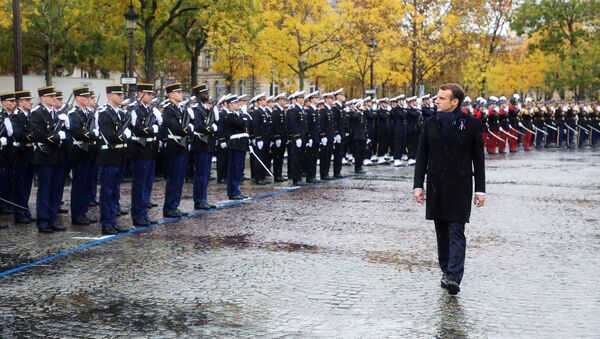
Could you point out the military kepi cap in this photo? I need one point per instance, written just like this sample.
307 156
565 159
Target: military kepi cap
46 91
22 95
58 94
173 87
81 91
114 89
145 88
10 96
201 88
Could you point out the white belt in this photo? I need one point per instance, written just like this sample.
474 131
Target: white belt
78 143
239 136
116 146
17 144
138 138
174 137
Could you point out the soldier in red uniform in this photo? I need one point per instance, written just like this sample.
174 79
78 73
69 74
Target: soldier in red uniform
493 125
504 126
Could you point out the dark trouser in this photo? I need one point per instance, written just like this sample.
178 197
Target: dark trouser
582 138
260 173
110 187
51 180
539 138
81 193
311 155
452 246
22 181
93 183
5 184
325 159
359 154
294 161
382 141
412 142
338 155
372 147
562 137
174 185
278 154
570 137
399 143
222 159
202 163
141 188
235 172
551 137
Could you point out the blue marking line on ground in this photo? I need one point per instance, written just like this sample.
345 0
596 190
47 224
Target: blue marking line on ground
6 273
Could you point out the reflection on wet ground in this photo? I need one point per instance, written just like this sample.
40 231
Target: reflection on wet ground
348 258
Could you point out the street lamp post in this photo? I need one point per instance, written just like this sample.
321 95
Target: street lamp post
372 44
130 22
18 61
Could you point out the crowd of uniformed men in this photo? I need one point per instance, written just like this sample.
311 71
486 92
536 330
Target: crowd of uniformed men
146 137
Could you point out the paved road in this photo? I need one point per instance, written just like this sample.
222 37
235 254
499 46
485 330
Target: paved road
350 258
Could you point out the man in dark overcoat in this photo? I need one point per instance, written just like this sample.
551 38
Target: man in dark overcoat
451 155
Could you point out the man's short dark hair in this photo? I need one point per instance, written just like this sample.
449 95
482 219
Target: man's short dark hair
457 91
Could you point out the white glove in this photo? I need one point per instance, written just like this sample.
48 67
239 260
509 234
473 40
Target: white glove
260 144
62 135
191 126
278 143
3 141
337 139
298 143
223 145
496 109
368 141
9 128
158 115
310 143
65 119
127 133
155 129
191 113
324 141
96 132
133 118
347 134
214 127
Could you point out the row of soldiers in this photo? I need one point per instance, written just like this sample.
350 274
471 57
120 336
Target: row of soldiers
510 123
312 129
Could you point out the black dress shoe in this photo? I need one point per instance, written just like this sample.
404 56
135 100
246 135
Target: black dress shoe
80 221
238 197
123 229
3 226
202 206
109 230
62 211
46 230
172 214
360 172
24 221
339 176
262 182
140 223
299 183
221 181
123 212
312 181
327 178
453 287
280 179
59 228
151 221
245 178
151 205
444 281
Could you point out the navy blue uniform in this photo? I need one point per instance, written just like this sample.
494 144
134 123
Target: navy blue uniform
296 130
201 151
82 159
312 145
327 129
22 166
236 134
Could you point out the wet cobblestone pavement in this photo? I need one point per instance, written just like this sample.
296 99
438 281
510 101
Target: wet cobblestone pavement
348 258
